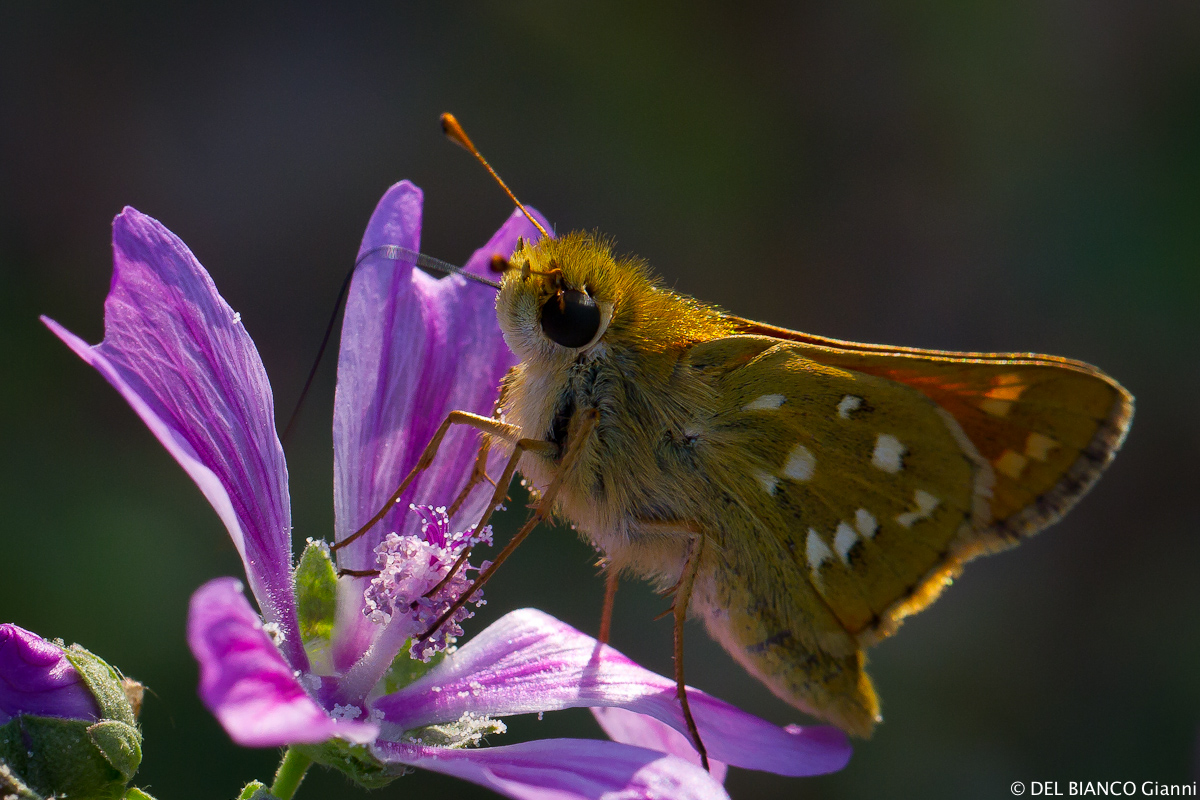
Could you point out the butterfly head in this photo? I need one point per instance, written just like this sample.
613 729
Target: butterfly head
557 298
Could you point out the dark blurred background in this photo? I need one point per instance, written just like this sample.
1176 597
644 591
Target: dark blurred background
993 175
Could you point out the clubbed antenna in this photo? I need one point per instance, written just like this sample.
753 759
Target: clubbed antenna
456 134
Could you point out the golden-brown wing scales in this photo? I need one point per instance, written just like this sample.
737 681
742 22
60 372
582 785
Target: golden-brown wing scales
863 479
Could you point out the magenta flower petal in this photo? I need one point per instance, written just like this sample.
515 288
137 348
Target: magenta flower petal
413 349
639 730
36 678
565 769
527 661
180 356
245 682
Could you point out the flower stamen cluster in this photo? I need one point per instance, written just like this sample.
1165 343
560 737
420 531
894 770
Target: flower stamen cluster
412 566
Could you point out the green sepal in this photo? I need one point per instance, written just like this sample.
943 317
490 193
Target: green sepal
120 744
135 793
405 669
255 790
316 599
53 756
352 760
104 683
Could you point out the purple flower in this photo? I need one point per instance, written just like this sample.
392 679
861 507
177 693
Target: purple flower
413 348
37 678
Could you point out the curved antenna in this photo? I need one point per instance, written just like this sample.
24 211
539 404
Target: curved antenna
396 253
455 133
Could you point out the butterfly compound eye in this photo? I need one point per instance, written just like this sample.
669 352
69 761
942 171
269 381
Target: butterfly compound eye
570 318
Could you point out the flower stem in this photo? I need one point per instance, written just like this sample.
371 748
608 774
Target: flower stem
290 773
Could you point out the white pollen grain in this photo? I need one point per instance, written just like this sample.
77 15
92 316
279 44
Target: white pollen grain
767 481
800 464
889 454
849 403
925 503
843 541
865 522
817 551
768 402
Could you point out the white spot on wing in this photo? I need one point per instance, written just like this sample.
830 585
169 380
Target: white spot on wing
865 522
1011 464
997 408
817 551
1039 446
768 402
926 503
843 541
800 464
849 403
889 453
766 480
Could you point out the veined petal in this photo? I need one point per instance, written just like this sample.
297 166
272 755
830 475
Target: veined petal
245 682
639 730
179 355
565 769
36 678
527 661
413 349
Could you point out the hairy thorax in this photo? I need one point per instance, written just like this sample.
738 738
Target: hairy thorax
634 492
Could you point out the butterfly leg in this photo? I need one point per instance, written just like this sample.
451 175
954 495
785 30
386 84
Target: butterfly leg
610 596
683 596
492 427
679 607
478 475
576 443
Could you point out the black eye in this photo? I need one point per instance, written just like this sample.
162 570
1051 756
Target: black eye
570 318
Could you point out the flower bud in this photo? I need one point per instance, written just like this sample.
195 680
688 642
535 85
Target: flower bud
67 726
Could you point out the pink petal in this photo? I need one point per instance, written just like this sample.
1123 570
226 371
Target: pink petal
527 661
565 769
245 682
413 349
180 356
642 731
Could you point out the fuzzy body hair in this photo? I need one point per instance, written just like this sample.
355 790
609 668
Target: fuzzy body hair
636 375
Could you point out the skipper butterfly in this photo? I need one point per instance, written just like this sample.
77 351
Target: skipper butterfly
802 495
